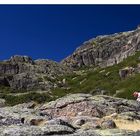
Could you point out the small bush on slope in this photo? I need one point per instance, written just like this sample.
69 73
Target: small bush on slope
32 96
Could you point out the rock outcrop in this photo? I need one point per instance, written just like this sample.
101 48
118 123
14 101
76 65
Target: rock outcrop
126 72
2 102
105 50
75 114
22 73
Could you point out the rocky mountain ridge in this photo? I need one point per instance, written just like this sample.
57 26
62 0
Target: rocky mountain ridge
21 72
105 50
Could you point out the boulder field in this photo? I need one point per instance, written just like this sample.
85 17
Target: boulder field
74 115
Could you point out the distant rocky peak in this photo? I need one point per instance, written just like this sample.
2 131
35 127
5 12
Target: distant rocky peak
44 62
138 27
20 59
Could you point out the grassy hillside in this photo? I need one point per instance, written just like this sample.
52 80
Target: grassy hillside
105 79
86 80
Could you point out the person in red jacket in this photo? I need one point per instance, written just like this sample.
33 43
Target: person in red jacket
137 95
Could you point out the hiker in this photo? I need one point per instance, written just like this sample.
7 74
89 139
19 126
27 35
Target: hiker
137 95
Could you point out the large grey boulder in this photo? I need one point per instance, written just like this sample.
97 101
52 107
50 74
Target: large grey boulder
21 131
7 121
75 114
14 130
126 72
87 105
57 130
108 124
81 120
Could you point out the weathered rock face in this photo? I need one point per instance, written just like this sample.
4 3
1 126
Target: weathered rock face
126 72
105 50
20 59
48 66
21 72
77 114
7 68
85 104
24 81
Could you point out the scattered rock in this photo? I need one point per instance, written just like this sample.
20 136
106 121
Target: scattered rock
10 121
102 71
81 120
107 74
91 125
108 124
64 81
57 130
74 114
126 72
83 81
2 102
82 132
119 91
36 121
37 131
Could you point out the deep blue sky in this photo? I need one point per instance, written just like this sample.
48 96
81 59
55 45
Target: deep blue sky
54 32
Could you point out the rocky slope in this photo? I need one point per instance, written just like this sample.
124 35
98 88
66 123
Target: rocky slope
105 50
39 108
75 114
22 73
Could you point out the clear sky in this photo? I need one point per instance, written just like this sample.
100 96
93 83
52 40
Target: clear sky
55 31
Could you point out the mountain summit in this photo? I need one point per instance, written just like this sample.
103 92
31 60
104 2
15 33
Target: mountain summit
105 50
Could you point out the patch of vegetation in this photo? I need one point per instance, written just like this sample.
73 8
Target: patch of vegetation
94 43
4 62
40 79
5 89
104 78
33 96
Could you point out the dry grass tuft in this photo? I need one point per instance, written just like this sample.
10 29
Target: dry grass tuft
128 125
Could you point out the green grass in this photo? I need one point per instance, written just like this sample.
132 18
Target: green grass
93 79
96 80
40 79
19 99
5 89
4 62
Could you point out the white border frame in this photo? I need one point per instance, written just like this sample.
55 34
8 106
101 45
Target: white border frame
69 1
